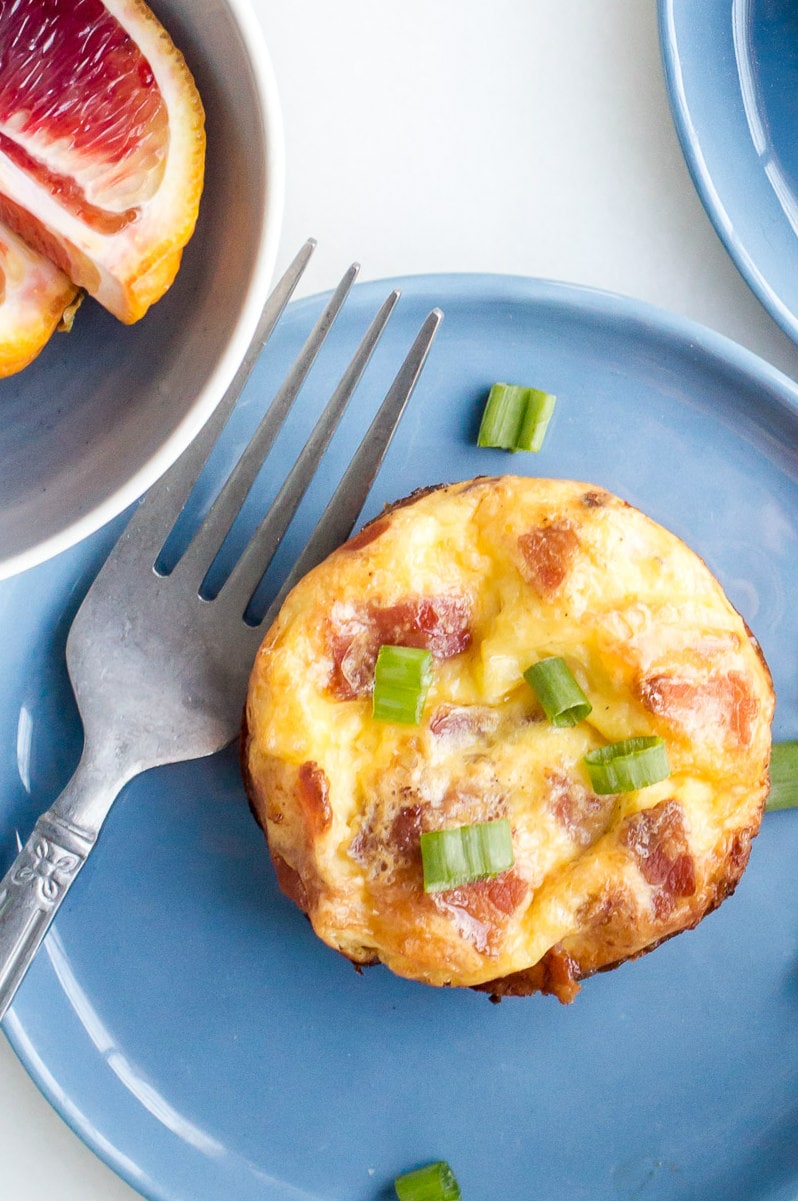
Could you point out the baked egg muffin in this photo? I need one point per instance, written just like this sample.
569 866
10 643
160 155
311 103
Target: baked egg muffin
491 577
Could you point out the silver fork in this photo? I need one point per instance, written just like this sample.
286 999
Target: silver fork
159 671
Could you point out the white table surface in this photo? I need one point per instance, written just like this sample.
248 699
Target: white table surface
530 137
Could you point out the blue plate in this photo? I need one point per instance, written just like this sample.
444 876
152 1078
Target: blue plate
182 1016
732 74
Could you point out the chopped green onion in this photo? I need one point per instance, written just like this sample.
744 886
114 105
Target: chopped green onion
563 701
402 676
466 853
436 1182
783 776
627 765
515 418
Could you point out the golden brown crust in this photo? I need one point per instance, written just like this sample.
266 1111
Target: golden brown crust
557 974
490 575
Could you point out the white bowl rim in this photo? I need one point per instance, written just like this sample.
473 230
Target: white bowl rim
261 278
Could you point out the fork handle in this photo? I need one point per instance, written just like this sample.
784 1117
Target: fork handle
43 872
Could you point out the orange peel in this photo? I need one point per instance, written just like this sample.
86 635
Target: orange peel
34 296
102 145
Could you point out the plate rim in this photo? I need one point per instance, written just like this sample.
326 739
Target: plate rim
747 262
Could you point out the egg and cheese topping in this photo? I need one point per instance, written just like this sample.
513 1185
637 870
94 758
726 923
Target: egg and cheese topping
490 576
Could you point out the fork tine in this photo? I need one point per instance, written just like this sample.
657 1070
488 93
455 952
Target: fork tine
349 497
162 504
263 544
203 547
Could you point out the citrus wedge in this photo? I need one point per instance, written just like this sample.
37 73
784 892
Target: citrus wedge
34 296
102 144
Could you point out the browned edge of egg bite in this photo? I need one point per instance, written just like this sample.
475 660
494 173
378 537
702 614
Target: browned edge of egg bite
610 929
288 879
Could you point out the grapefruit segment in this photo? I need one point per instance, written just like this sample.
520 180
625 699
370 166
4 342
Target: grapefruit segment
102 144
34 296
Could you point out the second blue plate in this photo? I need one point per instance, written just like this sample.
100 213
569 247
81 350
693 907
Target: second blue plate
732 73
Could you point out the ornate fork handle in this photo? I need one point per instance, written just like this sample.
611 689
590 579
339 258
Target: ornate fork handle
44 870
30 894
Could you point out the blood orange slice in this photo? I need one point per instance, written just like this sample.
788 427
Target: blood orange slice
33 297
102 144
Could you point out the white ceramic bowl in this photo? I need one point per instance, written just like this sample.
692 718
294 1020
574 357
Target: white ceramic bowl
106 409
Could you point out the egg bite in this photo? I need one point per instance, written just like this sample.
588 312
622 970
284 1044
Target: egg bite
491 576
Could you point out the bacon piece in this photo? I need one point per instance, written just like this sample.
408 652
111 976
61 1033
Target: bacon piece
504 892
313 794
481 910
547 553
405 833
718 700
369 533
658 842
440 624
581 813
388 845
556 974
290 882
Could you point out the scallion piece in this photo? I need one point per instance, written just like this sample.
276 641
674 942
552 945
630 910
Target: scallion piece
402 676
783 776
466 853
515 417
627 765
435 1182
561 698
